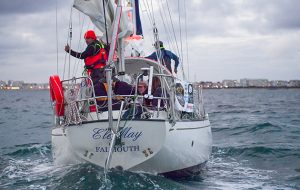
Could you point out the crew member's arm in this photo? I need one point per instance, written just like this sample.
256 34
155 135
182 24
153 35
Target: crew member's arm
89 51
153 56
176 59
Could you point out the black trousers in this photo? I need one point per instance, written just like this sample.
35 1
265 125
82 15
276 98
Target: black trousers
168 65
97 75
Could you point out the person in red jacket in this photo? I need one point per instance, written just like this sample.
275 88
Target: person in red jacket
95 56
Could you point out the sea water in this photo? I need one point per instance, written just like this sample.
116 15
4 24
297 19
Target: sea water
256 145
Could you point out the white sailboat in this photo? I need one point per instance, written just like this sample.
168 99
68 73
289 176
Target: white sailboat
172 137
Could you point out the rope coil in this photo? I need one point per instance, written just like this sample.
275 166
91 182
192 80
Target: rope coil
71 110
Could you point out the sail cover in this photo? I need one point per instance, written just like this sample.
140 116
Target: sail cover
138 24
95 10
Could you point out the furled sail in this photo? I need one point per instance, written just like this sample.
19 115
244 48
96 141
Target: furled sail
134 43
137 20
95 10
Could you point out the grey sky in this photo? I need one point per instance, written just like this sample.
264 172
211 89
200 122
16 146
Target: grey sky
227 39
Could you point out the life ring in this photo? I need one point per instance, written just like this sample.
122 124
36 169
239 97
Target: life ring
57 94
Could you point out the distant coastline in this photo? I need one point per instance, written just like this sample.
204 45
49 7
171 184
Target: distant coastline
225 84
252 87
250 83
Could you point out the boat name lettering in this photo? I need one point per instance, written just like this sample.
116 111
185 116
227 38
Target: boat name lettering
126 133
119 149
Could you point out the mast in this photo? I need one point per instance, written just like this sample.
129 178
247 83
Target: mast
110 61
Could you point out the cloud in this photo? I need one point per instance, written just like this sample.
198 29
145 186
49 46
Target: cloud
276 14
226 38
233 38
235 17
12 7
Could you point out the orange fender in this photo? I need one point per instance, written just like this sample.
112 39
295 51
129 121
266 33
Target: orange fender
57 95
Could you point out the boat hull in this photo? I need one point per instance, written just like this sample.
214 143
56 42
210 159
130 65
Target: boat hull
154 146
188 144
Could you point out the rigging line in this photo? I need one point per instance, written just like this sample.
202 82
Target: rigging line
65 65
152 11
180 32
165 23
172 26
143 17
80 61
56 30
88 26
156 35
75 66
186 40
154 27
180 35
147 13
173 42
80 44
165 17
179 20
66 53
69 70
165 28
79 47
104 11
75 61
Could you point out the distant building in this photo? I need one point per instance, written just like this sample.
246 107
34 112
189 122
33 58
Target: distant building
217 85
35 86
279 83
17 84
14 85
254 83
2 84
9 82
244 82
294 83
230 83
258 83
206 84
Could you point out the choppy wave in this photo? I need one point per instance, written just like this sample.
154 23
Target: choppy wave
256 151
261 128
30 149
42 174
229 173
256 146
30 166
6 108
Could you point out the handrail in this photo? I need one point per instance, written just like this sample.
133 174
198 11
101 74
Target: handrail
171 108
118 96
78 83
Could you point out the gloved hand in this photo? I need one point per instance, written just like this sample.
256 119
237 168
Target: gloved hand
67 48
175 70
115 79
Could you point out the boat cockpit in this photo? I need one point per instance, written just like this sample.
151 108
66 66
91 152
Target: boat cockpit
147 90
